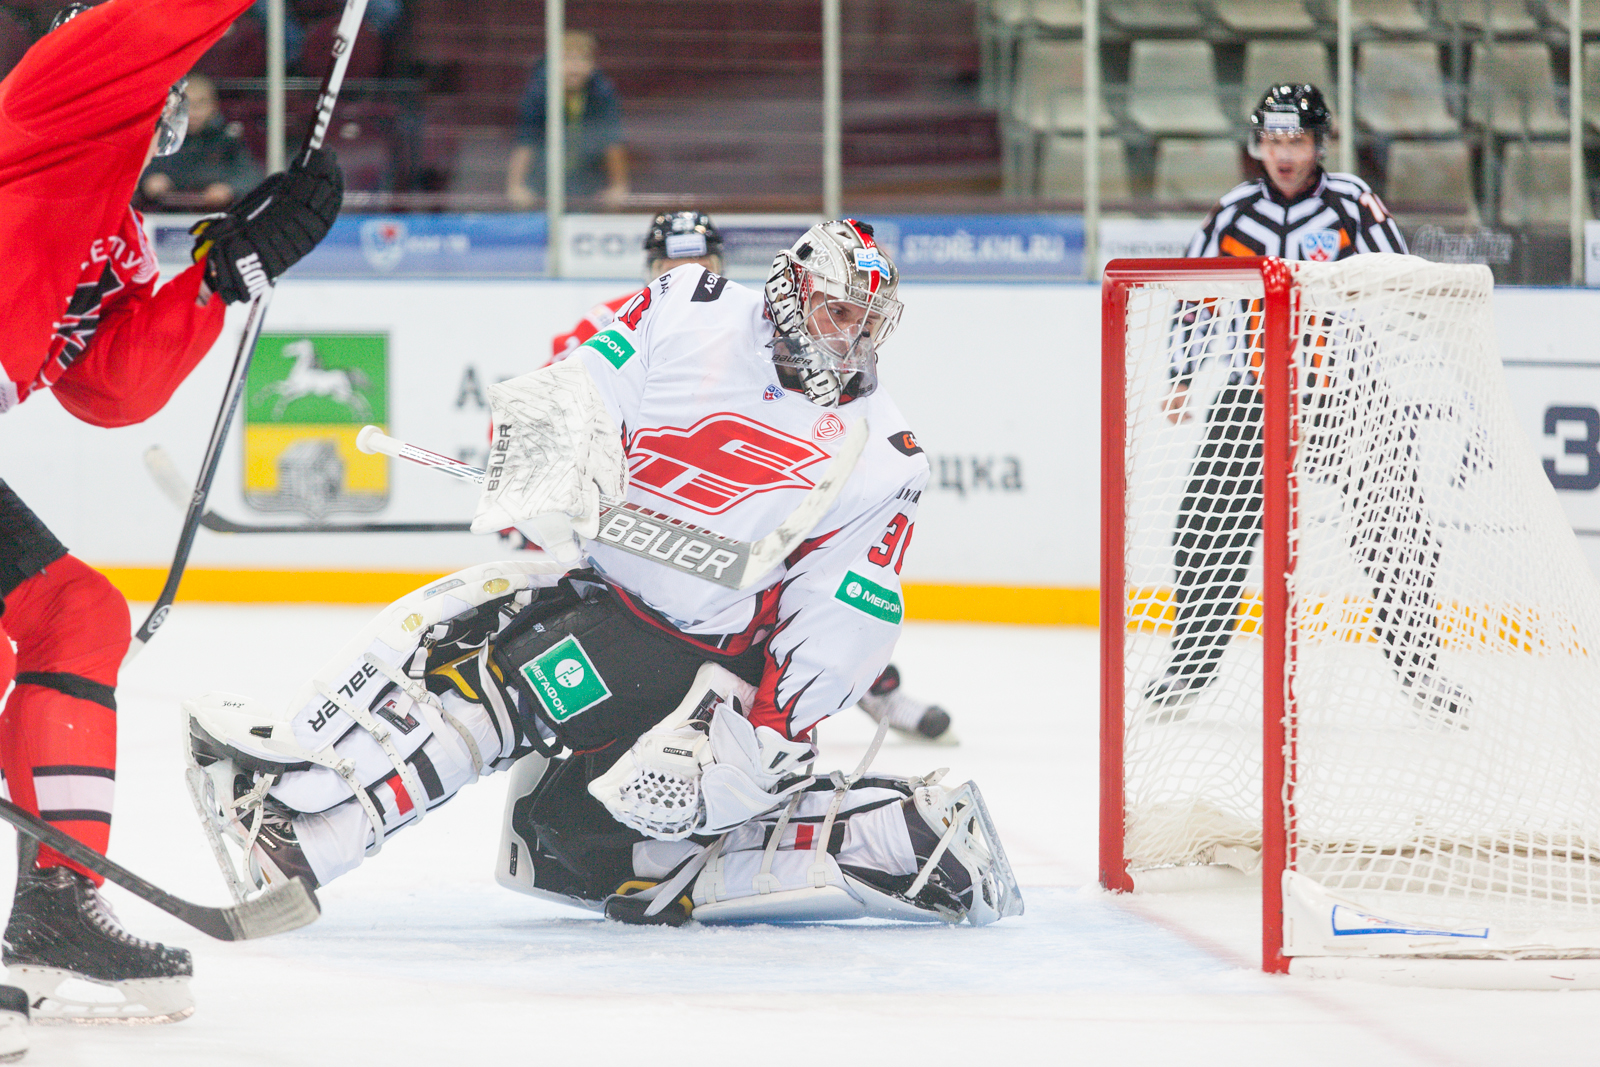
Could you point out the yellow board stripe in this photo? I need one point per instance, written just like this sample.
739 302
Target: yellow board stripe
1029 605
1468 627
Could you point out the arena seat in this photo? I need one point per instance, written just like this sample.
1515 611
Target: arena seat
1270 62
1061 169
241 52
1536 185
1504 16
1431 176
1196 170
1390 16
1263 16
1049 88
1400 91
1557 11
1513 89
1173 89
1137 15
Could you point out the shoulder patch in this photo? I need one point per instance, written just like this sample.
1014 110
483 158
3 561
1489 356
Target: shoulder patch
905 442
708 288
613 345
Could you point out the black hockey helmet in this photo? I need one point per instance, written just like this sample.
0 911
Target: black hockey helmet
173 125
1288 109
682 235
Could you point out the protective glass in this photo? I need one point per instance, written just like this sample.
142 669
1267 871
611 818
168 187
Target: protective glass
173 125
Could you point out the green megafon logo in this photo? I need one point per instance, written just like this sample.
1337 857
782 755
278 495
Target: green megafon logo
565 681
610 343
870 597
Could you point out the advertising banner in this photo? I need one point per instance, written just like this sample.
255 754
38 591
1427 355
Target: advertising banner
983 247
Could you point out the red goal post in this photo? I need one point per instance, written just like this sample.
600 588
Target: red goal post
1120 276
1347 637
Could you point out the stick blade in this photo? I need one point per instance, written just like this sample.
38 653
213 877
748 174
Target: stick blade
277 911
765 553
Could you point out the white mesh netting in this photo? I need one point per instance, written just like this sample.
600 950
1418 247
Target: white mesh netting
1447 733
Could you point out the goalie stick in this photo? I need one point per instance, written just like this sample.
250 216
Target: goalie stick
344 39
672 542
274 912
171 483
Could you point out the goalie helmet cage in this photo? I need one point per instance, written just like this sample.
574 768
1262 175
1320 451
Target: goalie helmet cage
1347 554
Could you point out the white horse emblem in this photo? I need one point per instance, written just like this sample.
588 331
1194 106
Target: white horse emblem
309 377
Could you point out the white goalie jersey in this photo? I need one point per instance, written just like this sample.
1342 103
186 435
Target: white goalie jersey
712 439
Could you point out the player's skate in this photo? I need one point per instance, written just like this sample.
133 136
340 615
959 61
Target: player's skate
66 949
907 715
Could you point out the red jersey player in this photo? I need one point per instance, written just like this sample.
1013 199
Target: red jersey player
80 117
681 237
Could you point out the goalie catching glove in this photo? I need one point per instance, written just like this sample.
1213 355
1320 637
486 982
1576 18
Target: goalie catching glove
271 228
556 453
704 769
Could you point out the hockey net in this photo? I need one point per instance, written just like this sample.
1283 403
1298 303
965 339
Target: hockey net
1342 550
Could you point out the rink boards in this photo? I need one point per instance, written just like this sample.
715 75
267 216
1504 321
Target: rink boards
999 384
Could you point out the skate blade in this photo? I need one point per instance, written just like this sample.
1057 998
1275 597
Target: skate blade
13 1036
58 997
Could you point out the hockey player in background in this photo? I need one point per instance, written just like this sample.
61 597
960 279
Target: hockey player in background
680 238
1296 211
665 722
80 117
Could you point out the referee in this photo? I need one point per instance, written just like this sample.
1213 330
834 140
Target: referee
1298 211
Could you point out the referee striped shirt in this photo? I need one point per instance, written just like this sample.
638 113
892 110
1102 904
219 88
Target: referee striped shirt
1338 217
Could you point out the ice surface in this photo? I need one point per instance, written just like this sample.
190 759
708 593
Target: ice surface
421 959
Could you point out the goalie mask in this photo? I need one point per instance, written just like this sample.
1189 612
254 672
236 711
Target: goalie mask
831 299
173 125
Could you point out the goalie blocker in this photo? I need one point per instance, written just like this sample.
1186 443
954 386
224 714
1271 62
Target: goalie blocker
617 805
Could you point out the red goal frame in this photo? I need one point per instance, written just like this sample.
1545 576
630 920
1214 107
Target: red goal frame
1278 388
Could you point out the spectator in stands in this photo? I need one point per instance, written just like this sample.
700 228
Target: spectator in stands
213 161
596 158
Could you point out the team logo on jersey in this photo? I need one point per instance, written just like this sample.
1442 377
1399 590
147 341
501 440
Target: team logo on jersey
1320 246
719 462
306 398
772 393
630 313
564 680
828 428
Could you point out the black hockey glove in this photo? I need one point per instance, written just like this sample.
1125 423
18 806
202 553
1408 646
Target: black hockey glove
268 231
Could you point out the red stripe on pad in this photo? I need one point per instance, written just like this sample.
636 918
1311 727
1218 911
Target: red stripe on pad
804 835
402 799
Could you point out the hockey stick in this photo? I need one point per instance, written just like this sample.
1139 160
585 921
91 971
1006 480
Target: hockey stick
649 535
276 911
344 39
166 476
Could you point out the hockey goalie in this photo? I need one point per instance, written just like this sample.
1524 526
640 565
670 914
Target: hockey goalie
660 723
